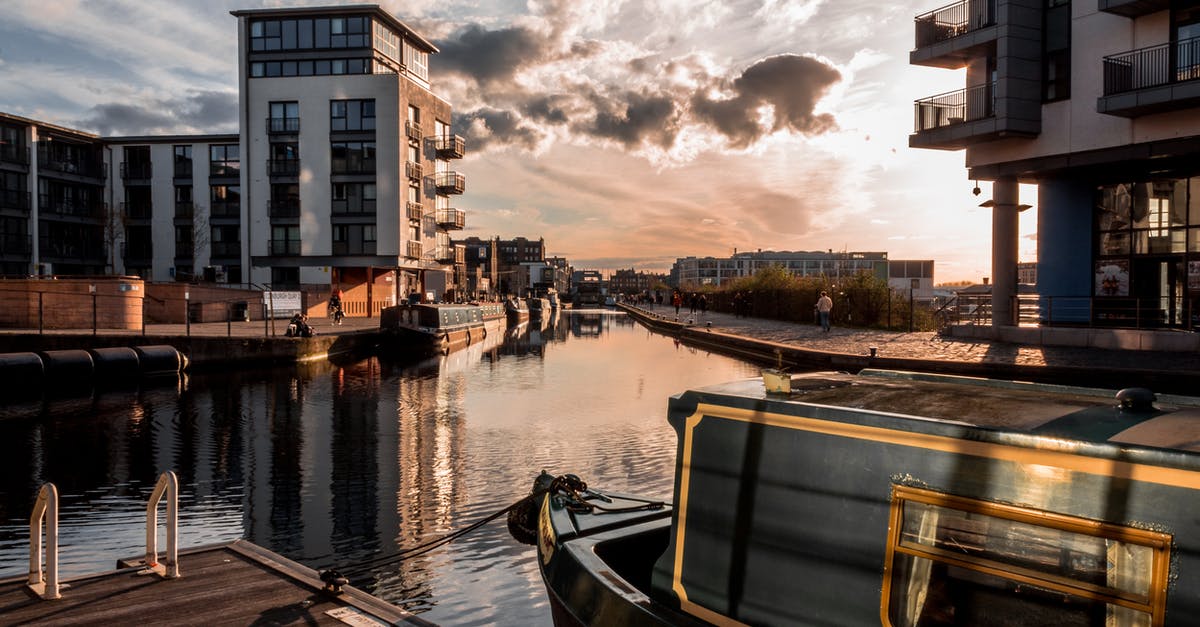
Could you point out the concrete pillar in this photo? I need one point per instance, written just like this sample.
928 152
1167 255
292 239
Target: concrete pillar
1005 209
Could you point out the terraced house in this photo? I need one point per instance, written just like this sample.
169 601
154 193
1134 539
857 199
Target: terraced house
1096 102
341 174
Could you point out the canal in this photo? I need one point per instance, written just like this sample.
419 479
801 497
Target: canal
343 465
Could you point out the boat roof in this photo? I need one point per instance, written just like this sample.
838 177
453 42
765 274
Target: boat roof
1076 413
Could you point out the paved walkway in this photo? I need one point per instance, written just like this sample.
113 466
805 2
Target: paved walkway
929 345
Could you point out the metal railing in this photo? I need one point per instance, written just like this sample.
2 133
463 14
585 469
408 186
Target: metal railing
14 200
285 247
142 210
451 182
1152 66
45 508
136 170
168 486
348 248
413 170
414 210
450 146
72 207
955 107
413 130
1077 311
284 208
353 165
355 206
283 167
185 210
412 249
15 244
13 153
283 125
953 20
451 218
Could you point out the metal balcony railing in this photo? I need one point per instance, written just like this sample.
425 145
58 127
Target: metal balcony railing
413 130
226 209
71 207
353 165
183 169
185 210
1122 312
283 167
284 208
953 20
70 163
413 170
283 125
353 206
137 250
1153 66
74 248
14 200
346 248
137 210
451 218
15 244
136 170
415 211
227 250
449 254
285 247
956 107
450 146
451 183
222 170
185 250
13 153
412 250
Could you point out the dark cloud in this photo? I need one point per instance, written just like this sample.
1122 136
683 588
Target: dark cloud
198 112
790 84
488 56
549 109
501 128
636 119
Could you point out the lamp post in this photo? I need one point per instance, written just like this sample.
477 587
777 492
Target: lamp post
92 290
187 312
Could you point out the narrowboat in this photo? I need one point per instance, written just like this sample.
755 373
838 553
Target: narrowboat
891 498
539 309
552 296
516 311
434 328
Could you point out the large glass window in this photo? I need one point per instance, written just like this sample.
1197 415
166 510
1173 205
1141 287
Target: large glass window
959 561
224 160
183 161
1056 48
352 115
353 157
284 117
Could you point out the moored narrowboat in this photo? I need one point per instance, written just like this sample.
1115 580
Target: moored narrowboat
539 309
434 328
895 498
516 311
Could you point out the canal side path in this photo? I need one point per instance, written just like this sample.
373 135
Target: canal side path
797 346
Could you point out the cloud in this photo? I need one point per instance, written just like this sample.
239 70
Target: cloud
197 112
789 84
488 56
633 118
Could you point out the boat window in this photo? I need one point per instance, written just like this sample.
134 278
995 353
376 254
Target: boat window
959 561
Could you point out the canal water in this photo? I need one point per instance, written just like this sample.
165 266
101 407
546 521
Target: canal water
341 466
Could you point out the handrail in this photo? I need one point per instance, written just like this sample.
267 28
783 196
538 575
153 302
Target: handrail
168 484
45 507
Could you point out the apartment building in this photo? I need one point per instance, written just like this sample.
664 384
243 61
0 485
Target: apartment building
1095 102
341 174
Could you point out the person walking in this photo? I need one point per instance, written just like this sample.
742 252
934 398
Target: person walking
824 306
677 300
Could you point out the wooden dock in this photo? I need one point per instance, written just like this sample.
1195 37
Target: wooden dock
234 583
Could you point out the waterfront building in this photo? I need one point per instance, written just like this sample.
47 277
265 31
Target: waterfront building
562 278
633 282
340 175
1095 102
913 277
693 272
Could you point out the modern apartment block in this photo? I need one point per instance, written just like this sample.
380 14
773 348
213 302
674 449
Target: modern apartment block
1096 102
693 272
341 174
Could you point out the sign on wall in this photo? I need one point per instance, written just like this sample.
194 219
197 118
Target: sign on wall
282 304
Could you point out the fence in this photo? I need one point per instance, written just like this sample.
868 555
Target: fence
1076 311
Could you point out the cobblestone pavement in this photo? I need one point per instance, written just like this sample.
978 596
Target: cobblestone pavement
929 345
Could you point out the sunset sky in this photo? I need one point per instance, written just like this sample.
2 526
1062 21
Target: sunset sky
626 133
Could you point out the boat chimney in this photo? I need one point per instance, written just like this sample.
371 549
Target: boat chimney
1136 399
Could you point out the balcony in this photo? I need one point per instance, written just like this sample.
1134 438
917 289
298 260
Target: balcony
353 165
136 171
185 250
283 208
413 170
71 249
13 200
137 250
450 146
1134 8
1152 80
283 125
413 130
450 254
53 160
226 250
412 250
224 170
71 207
185 210
451 183
957 119
346 248
283 167
225 209
353 206
451 218
948 37
13 153
137 210
415 211
285 247
15 244
183 169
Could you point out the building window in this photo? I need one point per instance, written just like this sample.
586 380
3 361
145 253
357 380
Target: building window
352 115
224 161
285 117
308 34
226 201
353 157
946 552
355 198
183 162
285 277
1056 49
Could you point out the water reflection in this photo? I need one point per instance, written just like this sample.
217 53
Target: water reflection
343 466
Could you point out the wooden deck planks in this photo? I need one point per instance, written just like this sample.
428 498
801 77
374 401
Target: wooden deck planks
235 583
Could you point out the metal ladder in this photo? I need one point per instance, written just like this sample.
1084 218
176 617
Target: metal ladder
45 509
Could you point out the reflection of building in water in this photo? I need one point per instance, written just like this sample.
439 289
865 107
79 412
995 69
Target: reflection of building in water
587 324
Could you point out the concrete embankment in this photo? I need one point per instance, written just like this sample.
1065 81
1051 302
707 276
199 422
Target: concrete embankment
1093 368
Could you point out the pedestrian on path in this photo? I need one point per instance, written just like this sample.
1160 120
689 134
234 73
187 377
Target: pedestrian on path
677 300
824 306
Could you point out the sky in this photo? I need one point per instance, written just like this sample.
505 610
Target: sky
626 133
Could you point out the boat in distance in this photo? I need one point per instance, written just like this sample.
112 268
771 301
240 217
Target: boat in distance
892 498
